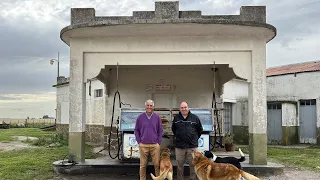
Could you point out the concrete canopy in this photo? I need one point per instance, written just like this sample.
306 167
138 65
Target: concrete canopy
170 37
168 20
223 71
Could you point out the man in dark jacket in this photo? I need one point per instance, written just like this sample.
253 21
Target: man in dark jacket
187 129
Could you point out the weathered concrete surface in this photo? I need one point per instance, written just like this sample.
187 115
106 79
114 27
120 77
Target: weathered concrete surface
241 134
318 136
258 148
168 12
257 106
77 145
106 165
77 105
292 84
290 135
91 47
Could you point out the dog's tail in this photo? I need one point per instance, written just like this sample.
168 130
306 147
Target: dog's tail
161 176
248 176
242 157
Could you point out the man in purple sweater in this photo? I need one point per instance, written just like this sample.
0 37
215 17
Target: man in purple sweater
148 132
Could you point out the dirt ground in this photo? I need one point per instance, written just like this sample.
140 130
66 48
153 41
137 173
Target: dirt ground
13 145
289 174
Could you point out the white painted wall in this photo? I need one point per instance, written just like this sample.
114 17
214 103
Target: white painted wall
234 90
279 88
182 50
291 87
63 104
289 114
238 52
295 87
240 114
187 84
95 106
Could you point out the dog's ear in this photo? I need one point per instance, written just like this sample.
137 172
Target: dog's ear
197 156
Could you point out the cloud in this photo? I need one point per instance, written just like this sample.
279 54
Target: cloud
27 98
7 98
24 105
30 31
297 32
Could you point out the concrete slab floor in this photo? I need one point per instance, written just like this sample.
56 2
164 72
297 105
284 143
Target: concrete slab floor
297 146
107 165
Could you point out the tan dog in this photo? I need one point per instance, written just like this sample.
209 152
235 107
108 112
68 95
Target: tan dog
166 170
208 170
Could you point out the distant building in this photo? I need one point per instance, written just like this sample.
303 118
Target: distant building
293 95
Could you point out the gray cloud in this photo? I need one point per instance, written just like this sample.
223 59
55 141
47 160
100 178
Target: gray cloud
30 42
2 97
30 34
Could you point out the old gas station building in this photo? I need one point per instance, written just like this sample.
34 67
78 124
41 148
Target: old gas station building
170 49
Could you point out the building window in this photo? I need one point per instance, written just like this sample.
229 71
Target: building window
98 93
274 106
308 102
227 116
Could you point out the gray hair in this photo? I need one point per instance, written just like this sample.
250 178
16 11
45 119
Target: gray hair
149 101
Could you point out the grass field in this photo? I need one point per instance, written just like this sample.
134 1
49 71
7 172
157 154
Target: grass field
6 134
304 159
35 163
29 123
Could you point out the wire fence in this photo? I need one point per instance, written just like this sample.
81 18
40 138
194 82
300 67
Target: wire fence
29 123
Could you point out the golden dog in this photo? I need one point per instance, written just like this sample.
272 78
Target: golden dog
166 170
208 170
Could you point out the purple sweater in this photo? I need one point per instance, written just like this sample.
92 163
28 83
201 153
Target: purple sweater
148 131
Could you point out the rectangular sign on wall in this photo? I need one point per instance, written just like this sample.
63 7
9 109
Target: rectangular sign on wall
163 87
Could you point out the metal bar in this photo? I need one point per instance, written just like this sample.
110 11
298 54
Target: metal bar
117 75
58 65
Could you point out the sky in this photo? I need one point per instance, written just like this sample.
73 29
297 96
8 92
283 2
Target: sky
30 37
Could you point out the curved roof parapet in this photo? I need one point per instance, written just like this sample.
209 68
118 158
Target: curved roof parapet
167 12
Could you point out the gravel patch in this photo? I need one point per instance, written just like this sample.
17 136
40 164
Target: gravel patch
24 138
294 174
15 145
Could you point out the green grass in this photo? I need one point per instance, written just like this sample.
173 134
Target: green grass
304 159
35 163
6 134
31 123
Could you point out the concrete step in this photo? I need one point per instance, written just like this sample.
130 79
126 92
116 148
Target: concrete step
107 165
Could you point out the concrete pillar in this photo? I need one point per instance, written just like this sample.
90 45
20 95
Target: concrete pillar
257 105
77 100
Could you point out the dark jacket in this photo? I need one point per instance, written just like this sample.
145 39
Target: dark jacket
187 131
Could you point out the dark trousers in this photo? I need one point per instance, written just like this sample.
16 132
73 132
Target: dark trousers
181 156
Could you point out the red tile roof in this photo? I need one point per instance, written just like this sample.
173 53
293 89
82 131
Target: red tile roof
294 68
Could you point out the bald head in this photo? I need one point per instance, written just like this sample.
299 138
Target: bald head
184 108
